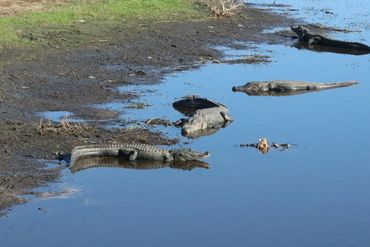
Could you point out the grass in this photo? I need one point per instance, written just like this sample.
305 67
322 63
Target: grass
93 13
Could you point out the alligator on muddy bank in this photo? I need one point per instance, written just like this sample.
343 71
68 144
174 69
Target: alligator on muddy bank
134 152
321 43
286 87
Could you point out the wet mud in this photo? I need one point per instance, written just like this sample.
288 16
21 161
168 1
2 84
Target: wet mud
63 76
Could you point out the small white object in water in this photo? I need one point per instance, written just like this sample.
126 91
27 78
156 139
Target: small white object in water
63 194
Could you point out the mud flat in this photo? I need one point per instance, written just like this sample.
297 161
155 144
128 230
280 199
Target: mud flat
64 76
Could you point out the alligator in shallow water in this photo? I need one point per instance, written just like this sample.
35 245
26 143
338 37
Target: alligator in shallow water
305 37
208 118
134 152
286 87
205 116
110 162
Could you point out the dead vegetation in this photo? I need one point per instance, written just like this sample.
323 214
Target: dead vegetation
254 59
158 121
65 126
221 8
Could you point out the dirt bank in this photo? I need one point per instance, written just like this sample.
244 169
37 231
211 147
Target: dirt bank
60 78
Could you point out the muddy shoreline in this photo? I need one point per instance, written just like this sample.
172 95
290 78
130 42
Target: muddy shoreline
60 78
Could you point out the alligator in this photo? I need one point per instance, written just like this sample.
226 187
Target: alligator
286 87
205 116
305 37
208 118
188 105
110 162
134 152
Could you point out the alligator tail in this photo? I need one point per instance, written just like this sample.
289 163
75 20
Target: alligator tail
339 84
94 151
323 86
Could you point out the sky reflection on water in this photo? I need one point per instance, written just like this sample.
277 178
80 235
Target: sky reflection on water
315 194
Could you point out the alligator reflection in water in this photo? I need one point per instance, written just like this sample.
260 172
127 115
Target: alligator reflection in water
205 117
110 162
204 132
287 88
321 48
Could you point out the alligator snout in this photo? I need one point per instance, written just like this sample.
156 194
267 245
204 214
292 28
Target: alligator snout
185 131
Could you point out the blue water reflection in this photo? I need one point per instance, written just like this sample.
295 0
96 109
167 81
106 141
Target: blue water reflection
315 194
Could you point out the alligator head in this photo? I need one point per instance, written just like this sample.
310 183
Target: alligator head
252 88
187 154
299 30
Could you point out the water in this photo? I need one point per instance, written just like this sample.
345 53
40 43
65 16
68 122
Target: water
315 194
57 116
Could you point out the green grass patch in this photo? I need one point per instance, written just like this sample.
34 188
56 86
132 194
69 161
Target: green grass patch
29 27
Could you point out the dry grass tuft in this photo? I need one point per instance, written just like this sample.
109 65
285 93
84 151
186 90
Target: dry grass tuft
224 7
64 127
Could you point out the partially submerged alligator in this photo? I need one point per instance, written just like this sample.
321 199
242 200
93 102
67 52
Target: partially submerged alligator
305 37
134 152
286 87
110 162
206 116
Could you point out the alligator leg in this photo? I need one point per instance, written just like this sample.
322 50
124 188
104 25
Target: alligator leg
167 158
132 155
225 117
314 40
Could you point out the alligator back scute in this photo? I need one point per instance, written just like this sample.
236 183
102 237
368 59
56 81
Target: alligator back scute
190 104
